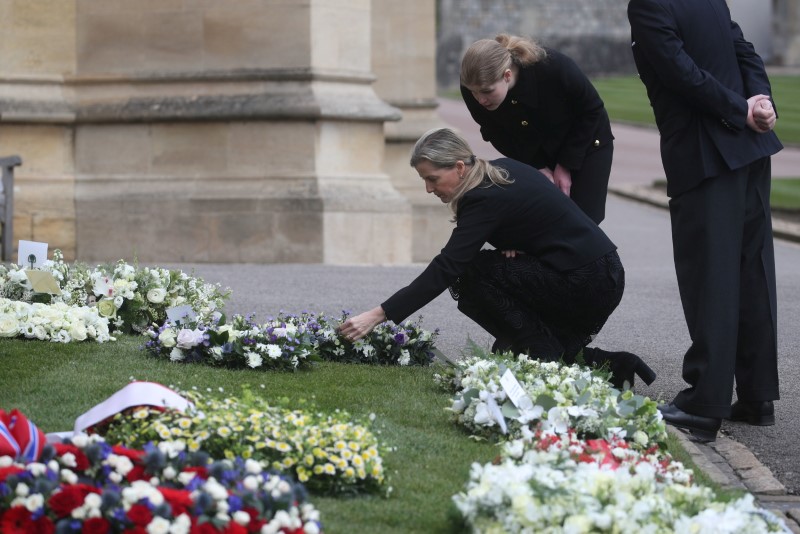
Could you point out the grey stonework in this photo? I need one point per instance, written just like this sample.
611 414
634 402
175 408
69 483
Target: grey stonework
595 33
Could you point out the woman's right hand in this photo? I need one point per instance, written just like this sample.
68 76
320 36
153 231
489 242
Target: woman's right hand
547 172
360 325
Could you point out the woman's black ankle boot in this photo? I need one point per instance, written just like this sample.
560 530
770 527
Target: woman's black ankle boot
624 366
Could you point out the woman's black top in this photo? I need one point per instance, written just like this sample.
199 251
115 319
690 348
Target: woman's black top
530 215
553 114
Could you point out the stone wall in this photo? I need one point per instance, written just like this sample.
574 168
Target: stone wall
594 33
194 131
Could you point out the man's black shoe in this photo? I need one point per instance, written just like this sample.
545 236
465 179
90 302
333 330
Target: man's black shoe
702 429
759 413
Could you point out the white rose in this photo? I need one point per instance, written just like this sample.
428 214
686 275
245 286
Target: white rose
39 332
189 338
9 327
78 331
157 295
167 338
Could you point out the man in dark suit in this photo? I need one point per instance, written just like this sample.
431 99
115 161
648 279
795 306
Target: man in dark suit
711 99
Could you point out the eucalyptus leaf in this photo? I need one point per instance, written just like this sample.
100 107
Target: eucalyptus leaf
626 409
545 401
469 395
509 411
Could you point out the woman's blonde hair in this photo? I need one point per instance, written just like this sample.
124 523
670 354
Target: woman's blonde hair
486 60
443 148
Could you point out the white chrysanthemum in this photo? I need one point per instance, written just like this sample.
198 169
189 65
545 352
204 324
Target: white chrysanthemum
254 360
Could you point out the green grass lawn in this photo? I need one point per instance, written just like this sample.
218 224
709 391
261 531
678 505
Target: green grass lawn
53 384
626 101
786 194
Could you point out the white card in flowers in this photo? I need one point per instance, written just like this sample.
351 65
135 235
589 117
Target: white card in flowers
514 390
31 254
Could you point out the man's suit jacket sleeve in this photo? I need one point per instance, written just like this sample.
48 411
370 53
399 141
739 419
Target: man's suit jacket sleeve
656 38
754 74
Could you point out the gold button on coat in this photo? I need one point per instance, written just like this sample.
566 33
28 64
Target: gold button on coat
524 123
513 101
596 142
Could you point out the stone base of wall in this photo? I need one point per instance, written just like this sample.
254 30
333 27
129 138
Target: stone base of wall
237 192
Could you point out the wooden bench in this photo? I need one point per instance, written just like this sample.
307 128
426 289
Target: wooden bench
7 206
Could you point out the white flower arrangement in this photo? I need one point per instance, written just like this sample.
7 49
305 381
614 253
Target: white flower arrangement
241 343
287 342
558 483
131 298
56 322
558 397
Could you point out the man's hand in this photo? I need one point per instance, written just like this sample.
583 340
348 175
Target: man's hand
760 113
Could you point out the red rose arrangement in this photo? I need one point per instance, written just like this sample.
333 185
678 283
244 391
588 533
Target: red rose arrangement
87 486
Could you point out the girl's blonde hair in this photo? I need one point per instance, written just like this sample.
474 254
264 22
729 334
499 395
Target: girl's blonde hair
443 148
486 60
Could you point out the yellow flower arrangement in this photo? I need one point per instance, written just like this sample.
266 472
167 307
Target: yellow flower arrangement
329 453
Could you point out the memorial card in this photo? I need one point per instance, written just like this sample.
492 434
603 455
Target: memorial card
31 254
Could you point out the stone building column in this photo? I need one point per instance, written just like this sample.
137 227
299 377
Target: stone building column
404 61
786 26
37 53
225 132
